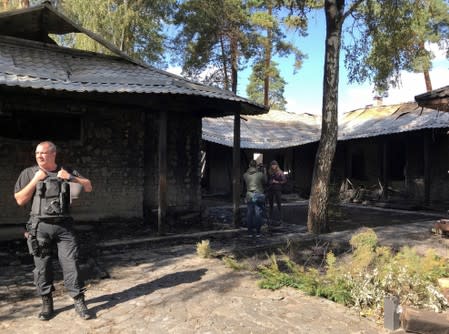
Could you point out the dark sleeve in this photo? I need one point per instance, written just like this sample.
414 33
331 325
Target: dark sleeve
283 177
74 172
24 178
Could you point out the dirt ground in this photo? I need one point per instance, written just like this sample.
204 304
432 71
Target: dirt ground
139 282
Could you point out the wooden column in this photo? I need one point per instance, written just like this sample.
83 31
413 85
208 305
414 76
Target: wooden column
407 165
347 164
162 154
426 168
236 171
385 167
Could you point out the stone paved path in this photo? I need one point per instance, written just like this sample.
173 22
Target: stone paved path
172 290
169 289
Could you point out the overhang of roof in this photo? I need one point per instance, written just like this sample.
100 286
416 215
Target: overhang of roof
280 129
436 99
29 62
35 23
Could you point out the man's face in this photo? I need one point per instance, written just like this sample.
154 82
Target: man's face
45 157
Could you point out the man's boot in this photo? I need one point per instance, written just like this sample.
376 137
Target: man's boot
47 307
81 308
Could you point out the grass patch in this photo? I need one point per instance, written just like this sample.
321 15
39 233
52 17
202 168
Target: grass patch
234 264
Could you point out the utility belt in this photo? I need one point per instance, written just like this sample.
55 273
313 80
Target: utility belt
41 246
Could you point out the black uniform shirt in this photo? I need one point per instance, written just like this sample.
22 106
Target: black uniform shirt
28 173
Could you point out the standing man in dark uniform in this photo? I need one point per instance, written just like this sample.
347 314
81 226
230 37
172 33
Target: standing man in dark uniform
255 180
45 186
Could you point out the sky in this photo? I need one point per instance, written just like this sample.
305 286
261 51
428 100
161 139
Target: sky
303 91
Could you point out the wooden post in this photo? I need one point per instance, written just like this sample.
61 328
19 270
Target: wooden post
162 153
347 166
426 168
386 167
236 171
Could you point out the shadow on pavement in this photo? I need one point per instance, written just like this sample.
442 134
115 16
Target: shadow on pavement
143 289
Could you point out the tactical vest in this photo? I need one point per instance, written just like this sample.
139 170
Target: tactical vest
51 199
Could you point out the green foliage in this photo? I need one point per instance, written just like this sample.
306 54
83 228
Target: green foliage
215 38
133 26
363 279
294 276
255 88
266 86
390 36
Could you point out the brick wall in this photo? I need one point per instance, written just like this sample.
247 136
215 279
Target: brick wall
183 179
111 154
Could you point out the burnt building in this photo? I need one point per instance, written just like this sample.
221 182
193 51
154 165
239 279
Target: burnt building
133 129
394 155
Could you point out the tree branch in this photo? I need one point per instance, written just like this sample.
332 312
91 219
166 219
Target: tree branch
352 8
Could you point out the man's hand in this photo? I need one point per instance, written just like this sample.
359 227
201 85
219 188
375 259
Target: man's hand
24 196
40 175
63 174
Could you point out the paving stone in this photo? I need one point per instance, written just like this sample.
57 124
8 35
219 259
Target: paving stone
169 289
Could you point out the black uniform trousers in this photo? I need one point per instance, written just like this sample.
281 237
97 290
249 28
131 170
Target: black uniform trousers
61 234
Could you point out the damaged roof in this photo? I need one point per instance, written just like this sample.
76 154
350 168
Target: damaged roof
28 60
280 129
389 119
435 99
276 129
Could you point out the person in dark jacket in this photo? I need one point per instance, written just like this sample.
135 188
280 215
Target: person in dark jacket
276 179
255 180
50 224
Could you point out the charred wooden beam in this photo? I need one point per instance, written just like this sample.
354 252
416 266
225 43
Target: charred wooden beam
427 167
236 171
162 153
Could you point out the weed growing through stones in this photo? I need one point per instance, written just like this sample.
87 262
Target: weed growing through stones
233 263
203 249
364 277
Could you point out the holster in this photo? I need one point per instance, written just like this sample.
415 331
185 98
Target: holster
36 247
33 246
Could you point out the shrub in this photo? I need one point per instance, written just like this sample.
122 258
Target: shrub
365 277
203 249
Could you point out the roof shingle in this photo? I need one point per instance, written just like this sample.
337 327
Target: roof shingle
30 64
280 129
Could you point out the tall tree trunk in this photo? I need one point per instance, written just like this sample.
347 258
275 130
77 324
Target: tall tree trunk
123 34
266 88
427 80
319 195
426 71
236 148
24 3
234 64
225 64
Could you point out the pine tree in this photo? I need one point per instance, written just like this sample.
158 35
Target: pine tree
256 86
215 39
134 26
